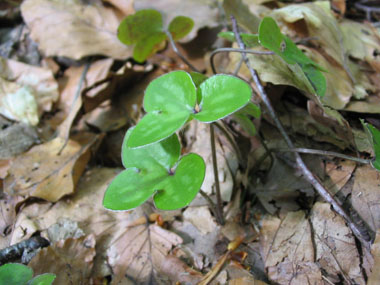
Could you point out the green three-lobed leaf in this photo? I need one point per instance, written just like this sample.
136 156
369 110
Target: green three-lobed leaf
171 100
145 30
19 274
155 170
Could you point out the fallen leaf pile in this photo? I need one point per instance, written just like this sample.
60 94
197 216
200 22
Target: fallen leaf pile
69 91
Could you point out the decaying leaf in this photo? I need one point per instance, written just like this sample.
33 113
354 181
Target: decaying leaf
339 174
375 250
25 91
366 196
71 260
50 170
201 218
139 251
203 12
74 29
335 246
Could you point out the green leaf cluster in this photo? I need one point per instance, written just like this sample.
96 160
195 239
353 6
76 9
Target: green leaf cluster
145 30
151 150
271 38
19 274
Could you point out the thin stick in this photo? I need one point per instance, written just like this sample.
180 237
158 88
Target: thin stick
231 140
309 176
209 201
175 49
219 50
324 152
219 209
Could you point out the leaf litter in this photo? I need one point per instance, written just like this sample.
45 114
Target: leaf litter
62 126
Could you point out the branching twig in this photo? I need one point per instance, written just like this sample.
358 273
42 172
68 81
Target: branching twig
309 176
219 208
324 152
219 50
175 49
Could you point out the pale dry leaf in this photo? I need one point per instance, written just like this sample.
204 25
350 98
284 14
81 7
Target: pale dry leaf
365 195
335 246
125 6
25 91
71 260
198 139
203 12
375 250
246 281
288 251
4 166
139 251
339 173
47 173
201 218
74 29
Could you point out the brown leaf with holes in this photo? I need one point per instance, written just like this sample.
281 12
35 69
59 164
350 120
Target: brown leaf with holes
74 29
71 260
50 170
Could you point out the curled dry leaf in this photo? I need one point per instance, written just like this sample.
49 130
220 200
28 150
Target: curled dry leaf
74 29
25 91
138 253
335 246
365 195
47 172
71 260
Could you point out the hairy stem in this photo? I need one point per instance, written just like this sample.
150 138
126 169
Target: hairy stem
175 49
240 50
219 206
308 175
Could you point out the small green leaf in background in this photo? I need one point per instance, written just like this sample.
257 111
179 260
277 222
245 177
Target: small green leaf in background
170 101
243 117
155 170
221 96
180 26
374 137
145 30
271 38
15 274
250 40
43 279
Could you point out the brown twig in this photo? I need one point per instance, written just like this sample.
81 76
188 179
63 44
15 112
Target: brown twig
308 175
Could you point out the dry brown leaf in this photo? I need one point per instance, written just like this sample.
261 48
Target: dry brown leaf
26 91
366 196
74 29
339 174
71 260
179 271
246 281
201 218
288 251
138 252
375 250
47 173
125 6
335 246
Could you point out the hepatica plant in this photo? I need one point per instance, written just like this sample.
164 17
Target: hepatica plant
151 150
19 274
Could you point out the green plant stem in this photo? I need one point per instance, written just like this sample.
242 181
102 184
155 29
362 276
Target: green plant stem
324 152
308 175
219 50
178 53
219 206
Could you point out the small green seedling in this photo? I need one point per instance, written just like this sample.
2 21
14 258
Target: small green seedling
156 170
144 29
172 99
271 38
374 137
19 274
243 117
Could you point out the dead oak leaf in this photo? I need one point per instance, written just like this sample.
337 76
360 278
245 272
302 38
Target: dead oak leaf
71 260
138 252
74 29
47 172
